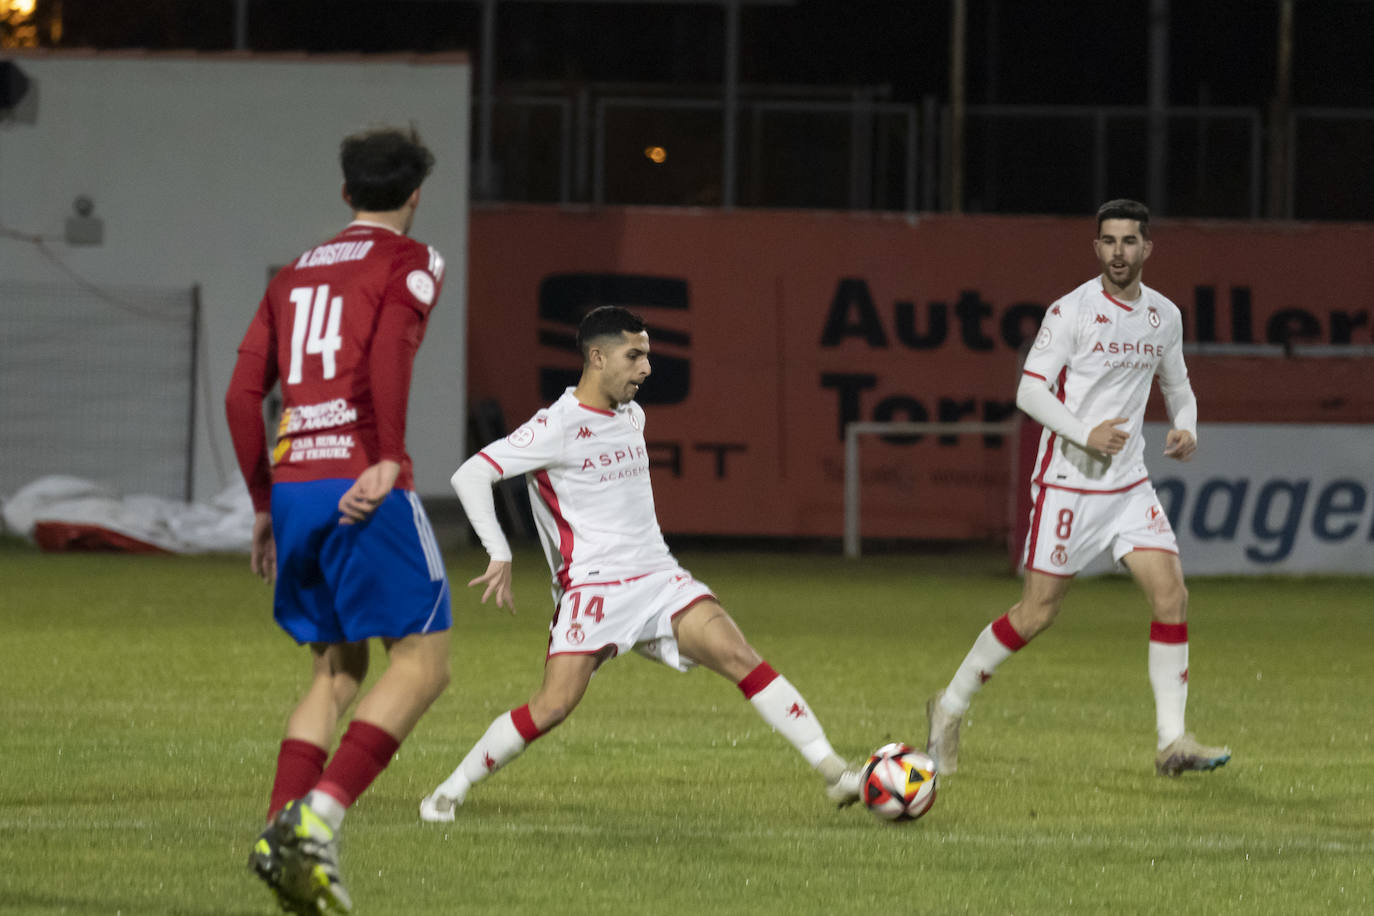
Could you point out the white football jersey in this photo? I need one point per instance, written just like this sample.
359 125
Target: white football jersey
587 471
1100 355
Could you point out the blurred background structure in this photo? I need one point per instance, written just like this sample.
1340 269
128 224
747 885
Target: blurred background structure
1233 109
833 214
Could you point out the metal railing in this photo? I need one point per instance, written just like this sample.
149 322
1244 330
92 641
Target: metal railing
856 428
864 154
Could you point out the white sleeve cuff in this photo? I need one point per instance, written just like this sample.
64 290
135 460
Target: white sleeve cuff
1035 398
1182 407
473 482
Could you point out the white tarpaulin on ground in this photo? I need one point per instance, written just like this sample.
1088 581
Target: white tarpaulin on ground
76 511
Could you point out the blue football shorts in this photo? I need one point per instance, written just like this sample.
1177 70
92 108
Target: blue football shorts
344 583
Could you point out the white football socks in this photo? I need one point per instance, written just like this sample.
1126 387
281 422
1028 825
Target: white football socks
498 746
982 660
1169 678
783 708
329 808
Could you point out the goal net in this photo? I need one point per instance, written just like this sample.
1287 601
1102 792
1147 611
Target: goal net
98 383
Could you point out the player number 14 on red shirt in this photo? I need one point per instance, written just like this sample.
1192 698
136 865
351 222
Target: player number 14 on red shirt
312 303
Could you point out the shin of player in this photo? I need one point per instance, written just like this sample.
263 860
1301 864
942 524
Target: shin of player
1086 380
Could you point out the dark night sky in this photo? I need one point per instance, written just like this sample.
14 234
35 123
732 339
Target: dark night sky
1019 51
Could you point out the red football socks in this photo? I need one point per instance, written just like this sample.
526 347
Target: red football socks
363 753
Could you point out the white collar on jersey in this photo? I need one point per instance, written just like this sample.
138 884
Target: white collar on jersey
372 225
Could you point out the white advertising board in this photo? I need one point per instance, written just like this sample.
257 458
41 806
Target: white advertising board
1270 498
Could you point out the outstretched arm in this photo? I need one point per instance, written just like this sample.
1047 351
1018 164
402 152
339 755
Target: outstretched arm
473 482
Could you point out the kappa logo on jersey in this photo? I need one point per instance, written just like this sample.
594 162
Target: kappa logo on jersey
1153 317
488 762
1055 311
1103 319
584 433
798 711
1159 522
565 298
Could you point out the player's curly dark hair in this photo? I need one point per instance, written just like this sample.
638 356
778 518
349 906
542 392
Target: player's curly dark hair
1122 208
382 167
606 321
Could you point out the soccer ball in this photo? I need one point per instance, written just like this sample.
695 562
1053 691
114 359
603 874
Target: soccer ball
898 783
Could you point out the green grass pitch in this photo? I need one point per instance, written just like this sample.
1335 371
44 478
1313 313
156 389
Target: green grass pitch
142 700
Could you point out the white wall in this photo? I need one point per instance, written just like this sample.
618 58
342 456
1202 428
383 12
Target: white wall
211 168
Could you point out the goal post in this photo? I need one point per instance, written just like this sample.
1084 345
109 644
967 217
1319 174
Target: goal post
857 428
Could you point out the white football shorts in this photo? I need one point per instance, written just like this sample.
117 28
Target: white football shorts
635 613
1069 528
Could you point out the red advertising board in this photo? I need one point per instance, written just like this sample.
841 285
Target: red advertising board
770 330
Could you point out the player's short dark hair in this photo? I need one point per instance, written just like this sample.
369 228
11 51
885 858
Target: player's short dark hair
606 321
382 167
1121 208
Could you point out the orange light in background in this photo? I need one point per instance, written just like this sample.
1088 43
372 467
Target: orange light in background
17 26
656 154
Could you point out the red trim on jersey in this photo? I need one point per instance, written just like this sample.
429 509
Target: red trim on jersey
1132 486
602 411
1049 443
756 680
573 588
1172 633
1046 572
500 470
1006 634
524 723
565 532
1035 375
1118 302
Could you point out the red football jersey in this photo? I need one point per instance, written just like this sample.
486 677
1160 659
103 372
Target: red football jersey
339 327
